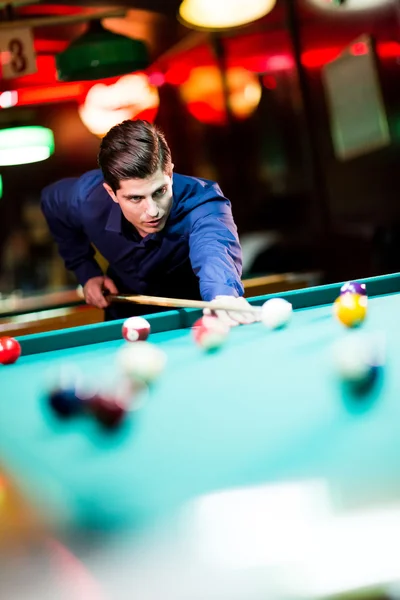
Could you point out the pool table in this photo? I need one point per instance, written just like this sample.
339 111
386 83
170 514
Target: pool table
267 409
268 406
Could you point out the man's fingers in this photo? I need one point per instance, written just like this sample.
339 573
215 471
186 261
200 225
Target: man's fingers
110 286
245 318
94 295
226 318
97 299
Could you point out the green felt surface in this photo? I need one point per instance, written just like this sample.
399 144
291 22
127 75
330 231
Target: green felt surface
268 406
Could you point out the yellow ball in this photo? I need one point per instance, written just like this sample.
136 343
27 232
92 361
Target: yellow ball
350 309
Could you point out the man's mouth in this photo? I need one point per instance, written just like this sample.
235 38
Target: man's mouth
154 222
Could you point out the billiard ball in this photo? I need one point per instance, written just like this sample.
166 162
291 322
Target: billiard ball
350 309
108 411
358 360
353 287
136 329
10 350
209 333
65 402
142 361
276 313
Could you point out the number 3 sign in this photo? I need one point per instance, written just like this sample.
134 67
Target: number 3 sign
17 53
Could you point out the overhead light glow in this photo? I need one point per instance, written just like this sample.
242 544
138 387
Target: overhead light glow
8 98
341 7
132 96
219 14
24 145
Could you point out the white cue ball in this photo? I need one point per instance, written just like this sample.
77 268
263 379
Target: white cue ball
276 313
136 329
142 361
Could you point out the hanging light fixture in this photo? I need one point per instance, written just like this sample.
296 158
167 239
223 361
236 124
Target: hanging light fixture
131 97
204 97
100 53
24 145
217 15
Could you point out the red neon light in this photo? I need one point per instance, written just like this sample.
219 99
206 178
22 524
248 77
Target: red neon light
50 46
317 58
56 93
389 50
47 9
359 49
269 82
43 87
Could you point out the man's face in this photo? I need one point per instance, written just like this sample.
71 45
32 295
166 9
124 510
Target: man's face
145 203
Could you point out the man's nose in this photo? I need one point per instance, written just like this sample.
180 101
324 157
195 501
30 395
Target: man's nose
152 208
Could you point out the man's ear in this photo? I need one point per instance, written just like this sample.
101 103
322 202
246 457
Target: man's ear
110 192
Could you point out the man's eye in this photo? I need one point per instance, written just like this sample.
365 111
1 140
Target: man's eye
161 192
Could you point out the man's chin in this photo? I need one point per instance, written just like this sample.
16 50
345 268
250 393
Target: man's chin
154 229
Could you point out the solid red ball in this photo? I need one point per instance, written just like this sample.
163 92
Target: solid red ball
10 350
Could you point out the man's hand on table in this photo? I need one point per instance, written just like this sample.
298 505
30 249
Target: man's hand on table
94 291
233 317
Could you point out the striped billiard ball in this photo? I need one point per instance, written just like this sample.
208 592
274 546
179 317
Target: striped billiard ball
136 329
353 287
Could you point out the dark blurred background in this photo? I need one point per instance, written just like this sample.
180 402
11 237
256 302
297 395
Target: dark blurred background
296 115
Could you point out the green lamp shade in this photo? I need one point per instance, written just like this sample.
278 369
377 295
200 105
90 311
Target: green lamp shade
100 53
24 145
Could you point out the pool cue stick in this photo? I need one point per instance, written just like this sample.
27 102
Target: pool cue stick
178 303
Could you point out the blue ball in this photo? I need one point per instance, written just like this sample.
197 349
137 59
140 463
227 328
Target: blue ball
65 402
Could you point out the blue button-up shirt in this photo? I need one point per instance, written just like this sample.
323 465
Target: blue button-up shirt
197 254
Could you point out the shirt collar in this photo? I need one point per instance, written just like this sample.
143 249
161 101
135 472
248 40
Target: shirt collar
114 221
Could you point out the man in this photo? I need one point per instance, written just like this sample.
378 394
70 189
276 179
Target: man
163 234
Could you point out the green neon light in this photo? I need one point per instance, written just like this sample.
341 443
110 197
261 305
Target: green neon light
23 145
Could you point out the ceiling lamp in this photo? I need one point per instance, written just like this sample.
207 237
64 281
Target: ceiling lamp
24 145
100 53
343 7
131 97
204 97
219 14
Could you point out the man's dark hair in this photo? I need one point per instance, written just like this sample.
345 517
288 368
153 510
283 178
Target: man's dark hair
133 150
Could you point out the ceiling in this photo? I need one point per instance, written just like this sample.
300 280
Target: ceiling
156 23
166 7
153 21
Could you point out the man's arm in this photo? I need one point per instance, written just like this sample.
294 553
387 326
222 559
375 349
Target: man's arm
60 206
215 251
216 258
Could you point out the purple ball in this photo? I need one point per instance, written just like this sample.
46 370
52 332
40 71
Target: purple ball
353 287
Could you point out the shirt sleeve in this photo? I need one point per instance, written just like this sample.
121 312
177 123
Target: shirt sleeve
60 206
214 249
